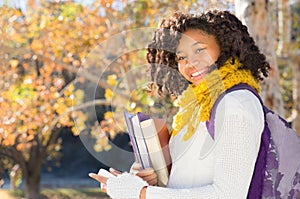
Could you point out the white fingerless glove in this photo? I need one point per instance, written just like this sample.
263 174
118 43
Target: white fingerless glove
125 186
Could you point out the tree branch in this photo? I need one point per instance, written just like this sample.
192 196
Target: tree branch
85 73
68 111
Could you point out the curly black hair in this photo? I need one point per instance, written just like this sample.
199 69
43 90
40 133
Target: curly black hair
230 34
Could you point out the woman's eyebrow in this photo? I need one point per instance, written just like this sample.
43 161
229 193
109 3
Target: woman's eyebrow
196 43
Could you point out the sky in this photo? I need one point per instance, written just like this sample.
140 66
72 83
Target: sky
118 5
22 3
15 3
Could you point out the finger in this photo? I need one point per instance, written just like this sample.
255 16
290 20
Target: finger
145 172
136 166
114 171
99 178
103 187
149 178
152 182
103 190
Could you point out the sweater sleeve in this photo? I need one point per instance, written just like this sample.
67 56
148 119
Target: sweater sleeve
238 126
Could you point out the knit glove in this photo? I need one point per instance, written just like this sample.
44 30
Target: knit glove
125 186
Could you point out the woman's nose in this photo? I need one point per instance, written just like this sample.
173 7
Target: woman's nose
189 65
192 63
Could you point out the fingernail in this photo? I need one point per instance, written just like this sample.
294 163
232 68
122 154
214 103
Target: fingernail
112 169
91 174
137 165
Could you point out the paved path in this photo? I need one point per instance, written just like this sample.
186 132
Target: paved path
4 195
61 182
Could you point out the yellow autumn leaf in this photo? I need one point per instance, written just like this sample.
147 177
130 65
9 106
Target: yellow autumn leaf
22 129
79 95
61 100
11 138
108 94
5 142
98 147
64 120
75 131
68 102
36 45
29 138
107 147
112 80
66 60
61 108
14 63
21 146
108 115
67 92
31 132
55 95
113 133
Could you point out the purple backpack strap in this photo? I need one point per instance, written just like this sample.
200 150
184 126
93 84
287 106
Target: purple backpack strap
210 124
277 167
257 182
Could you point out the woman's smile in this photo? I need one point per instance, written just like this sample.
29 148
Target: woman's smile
196 52
199 74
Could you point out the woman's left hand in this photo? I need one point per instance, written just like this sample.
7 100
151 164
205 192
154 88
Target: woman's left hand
147 174
100 179
125 185
103 175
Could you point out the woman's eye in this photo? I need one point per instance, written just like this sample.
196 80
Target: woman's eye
180 58
198 50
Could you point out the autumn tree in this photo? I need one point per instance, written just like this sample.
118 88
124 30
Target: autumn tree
274 26
295 38
38 96
42 51
256 15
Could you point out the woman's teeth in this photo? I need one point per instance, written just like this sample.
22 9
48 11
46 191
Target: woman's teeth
197 73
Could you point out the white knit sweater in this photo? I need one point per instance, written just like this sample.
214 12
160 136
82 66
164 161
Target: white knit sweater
220 168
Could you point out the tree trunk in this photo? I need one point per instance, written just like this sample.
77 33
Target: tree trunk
31 170
32 184
296 90
284 29
255 15
14 175
285 51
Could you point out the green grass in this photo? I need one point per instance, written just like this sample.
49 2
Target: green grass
64 193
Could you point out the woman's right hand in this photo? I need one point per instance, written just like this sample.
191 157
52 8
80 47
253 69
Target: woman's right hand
147 174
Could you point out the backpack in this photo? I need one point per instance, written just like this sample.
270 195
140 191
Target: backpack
277 168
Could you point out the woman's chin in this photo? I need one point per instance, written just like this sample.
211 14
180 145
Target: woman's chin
196 82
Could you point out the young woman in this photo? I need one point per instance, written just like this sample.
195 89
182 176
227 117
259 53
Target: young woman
197 58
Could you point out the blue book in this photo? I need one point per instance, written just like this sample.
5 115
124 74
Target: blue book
140 139
127 117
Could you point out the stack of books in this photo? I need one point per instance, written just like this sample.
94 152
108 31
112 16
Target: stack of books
150 138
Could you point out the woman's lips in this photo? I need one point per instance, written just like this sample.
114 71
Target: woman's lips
198 74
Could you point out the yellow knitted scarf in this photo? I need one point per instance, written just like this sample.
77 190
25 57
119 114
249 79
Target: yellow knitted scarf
196 102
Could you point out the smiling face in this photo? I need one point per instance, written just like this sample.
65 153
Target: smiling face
196 52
